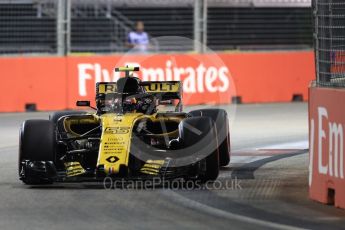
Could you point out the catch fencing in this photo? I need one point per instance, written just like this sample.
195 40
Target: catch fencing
63 27
329 36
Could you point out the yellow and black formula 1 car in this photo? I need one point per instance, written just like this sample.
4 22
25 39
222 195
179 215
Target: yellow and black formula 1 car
127 137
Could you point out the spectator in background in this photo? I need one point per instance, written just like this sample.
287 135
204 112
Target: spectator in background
138 40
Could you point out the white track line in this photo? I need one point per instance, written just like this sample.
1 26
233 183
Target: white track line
248 159
288 145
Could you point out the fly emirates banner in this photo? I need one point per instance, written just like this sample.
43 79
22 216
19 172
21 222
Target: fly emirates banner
204 80
53 83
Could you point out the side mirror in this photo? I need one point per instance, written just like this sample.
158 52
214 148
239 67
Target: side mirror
166 102
83 103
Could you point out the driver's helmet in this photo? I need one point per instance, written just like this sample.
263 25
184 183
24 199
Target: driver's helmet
129 86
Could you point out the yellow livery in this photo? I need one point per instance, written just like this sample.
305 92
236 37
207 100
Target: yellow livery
127 136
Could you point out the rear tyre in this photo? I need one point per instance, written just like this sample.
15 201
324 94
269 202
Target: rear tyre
220 118
198 135
37 143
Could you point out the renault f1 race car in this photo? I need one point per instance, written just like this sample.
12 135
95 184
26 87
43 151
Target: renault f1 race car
126 137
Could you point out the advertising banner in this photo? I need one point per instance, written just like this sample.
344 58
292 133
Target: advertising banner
326 133
53 83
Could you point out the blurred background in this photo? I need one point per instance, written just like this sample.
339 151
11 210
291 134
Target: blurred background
264 49
62 27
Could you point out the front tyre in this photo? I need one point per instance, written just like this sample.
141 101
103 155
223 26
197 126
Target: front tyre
37 152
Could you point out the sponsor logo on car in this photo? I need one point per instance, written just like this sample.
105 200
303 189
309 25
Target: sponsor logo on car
112 159
117 130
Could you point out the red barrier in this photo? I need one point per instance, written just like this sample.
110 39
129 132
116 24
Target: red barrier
40 81
271 77
56 83
326 133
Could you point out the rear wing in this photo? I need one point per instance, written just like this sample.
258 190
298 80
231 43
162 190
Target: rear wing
164 90
106 87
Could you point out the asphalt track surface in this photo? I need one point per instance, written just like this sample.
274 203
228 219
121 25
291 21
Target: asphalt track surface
264 187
